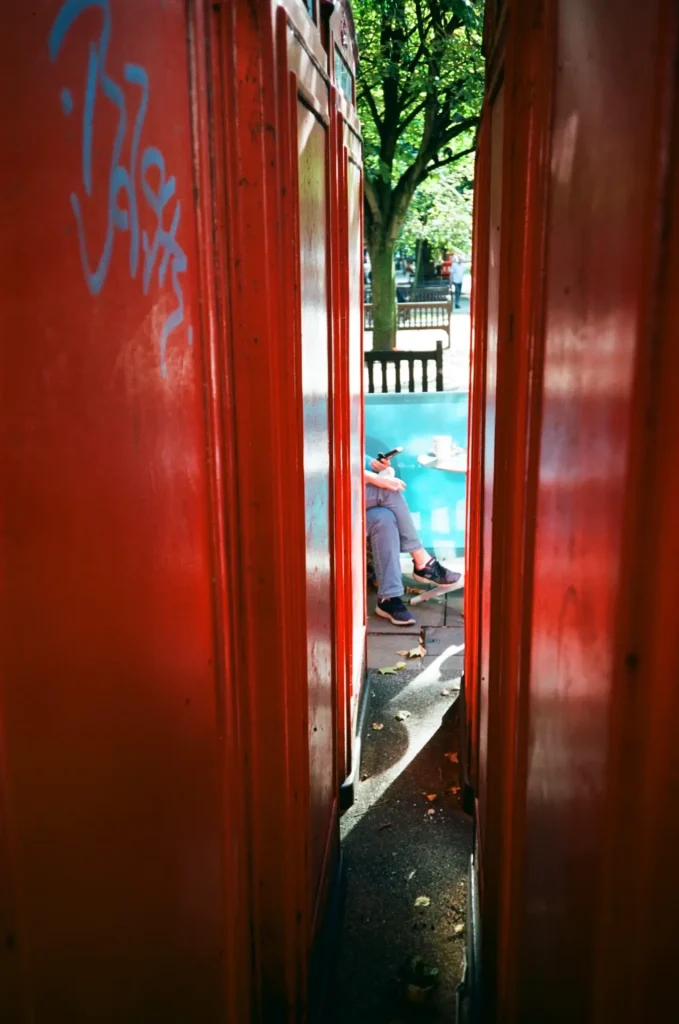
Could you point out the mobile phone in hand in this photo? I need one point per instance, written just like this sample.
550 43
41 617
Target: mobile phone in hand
388 455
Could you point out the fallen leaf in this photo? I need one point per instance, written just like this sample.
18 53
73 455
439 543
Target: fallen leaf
387 671
422 901
445 693
401 716
419 977
459 928
414 590
377 726
455 758
414 652
431 811
453 789
400 664
431 796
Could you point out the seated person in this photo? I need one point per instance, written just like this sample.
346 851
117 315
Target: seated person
391 530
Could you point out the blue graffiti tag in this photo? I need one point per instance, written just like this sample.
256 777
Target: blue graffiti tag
163 251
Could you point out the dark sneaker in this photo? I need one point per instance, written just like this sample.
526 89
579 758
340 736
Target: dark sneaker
433 572
393 608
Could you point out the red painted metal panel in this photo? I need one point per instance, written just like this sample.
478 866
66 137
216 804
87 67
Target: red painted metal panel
581 767
269 497
355 363
603 168
347 492
474 532
313 215
340 500
113 691
529 67
642 824
489 437
169 639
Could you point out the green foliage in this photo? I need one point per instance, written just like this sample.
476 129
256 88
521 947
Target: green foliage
441 211
420 88
419 93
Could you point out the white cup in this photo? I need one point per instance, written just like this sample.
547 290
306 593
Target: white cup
442 446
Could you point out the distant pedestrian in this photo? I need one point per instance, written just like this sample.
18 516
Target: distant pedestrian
457 277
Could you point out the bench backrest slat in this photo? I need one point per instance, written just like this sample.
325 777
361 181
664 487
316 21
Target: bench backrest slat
396 358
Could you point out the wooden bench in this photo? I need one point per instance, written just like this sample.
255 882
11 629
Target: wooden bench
410 359
430 291
417 316
433 291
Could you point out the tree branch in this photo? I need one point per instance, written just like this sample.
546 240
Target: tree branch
434 14
452 133
371 199
448 28
420 169
370 100
420 20
422 51
428 130
390 84
423 48
402 125
449 160
413 175
453 25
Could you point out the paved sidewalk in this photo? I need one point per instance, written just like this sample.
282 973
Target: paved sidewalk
439 627
406 837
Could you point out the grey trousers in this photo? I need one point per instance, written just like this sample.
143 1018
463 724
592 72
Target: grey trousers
391 530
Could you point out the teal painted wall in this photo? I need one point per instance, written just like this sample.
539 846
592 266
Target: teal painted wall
435 497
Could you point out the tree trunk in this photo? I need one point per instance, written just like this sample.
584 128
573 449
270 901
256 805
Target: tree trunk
384 296
428 267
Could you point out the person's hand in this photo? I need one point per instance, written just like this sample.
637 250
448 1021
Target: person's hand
389 483
378 465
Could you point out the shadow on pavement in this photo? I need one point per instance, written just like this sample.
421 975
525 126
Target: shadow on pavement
406 837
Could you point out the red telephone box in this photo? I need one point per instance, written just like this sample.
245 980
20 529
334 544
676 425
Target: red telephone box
571 597
181 612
